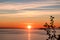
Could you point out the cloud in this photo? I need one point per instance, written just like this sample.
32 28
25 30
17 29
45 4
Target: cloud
25 1
25 4
20 6
8 11
51 7
21 1
45 8
27 8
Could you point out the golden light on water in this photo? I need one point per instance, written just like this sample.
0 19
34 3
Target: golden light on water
29 35
29 30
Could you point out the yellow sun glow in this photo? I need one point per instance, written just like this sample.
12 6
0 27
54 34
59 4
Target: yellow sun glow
29 26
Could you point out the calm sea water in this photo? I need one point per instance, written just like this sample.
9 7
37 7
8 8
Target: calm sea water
21 34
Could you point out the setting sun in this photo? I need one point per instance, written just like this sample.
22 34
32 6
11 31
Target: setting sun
29 26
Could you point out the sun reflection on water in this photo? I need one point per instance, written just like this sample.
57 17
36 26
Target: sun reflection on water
29 35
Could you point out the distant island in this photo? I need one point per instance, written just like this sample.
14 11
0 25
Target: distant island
25 28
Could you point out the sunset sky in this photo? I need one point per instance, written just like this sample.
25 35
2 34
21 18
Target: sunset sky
20 13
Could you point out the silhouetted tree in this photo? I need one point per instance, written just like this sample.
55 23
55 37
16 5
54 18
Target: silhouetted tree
49 28
58 37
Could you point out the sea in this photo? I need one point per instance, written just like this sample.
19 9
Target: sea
24 34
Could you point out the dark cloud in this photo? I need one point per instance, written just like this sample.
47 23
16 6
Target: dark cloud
53 7
19 0
8 11
24 1
34 9
58 2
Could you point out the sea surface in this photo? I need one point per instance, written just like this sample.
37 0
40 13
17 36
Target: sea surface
23 34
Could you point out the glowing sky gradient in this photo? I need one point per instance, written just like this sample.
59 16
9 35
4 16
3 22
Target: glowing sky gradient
19 13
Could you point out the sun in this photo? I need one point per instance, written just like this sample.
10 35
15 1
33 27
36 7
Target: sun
29 26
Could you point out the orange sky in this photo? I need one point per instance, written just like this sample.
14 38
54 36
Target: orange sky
34 25
20 13
22 22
